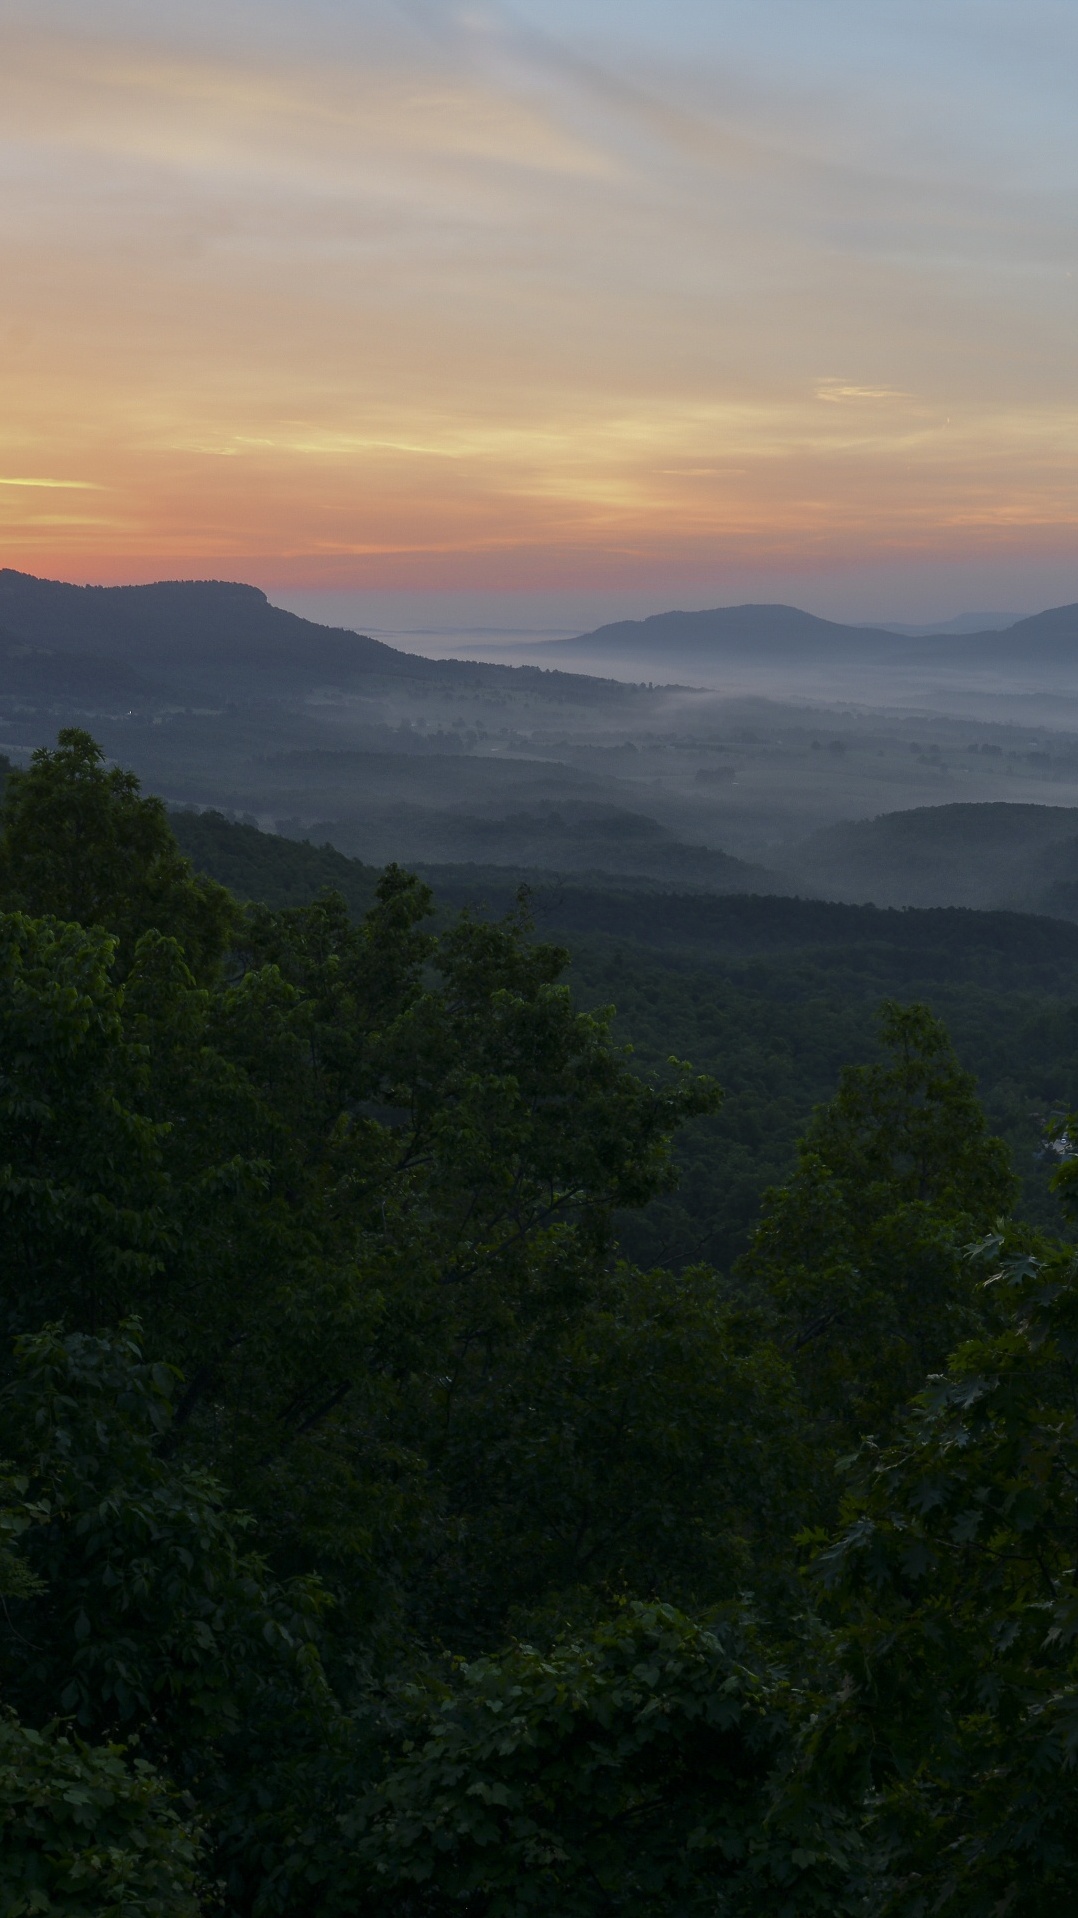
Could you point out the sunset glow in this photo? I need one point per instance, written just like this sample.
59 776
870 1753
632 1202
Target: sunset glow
424 298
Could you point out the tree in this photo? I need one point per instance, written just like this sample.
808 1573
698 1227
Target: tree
79 842
89 1832
951 1708
85 1830
644 1439
83 1226
147 1613
353 1189
401 1562
153 1659
861 1252
631 1770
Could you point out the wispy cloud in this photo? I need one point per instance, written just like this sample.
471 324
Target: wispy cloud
61 485
838 391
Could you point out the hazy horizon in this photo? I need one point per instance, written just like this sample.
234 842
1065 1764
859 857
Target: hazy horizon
432 624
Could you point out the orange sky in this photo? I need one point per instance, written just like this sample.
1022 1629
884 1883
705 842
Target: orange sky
452 305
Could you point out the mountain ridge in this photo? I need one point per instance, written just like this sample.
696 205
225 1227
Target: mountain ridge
204 635
781 629
766 633
207 636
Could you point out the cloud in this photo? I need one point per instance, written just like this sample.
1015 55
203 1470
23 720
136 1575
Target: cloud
319 127
836 391
81 486
439 282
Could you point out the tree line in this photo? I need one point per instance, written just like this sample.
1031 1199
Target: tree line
374 1536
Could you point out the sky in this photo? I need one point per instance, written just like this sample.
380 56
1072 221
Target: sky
424 315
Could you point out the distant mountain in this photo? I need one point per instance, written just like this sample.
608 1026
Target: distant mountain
756 634
964 623
216 638
1045 639
784 636
987 856
199 634
44 677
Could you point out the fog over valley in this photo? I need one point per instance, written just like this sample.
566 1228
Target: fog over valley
751 749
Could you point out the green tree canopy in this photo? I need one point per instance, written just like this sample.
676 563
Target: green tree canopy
861 1251
78 841
89 1832
953 1676
631 1771
361 1191
150 1654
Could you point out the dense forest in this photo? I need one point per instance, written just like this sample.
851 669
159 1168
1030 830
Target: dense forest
415 1501
771 995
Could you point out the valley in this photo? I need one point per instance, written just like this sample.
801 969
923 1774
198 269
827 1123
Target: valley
218 699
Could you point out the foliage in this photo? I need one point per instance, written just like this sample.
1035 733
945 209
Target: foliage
146 1611
86 1832
268 869
772 995
347 1187
628 1771
81 1221
953 1687
861 1250
137 1608
644 1440
79 842
84 1829
17 1515
776 1024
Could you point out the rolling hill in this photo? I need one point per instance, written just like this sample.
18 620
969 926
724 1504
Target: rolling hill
753 634
773 995
985 856
777 636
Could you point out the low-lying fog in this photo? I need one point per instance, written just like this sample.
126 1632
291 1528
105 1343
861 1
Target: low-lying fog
746 769
748 773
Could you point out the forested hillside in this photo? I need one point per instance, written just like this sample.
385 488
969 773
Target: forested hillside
382 1529
979 855
772 996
